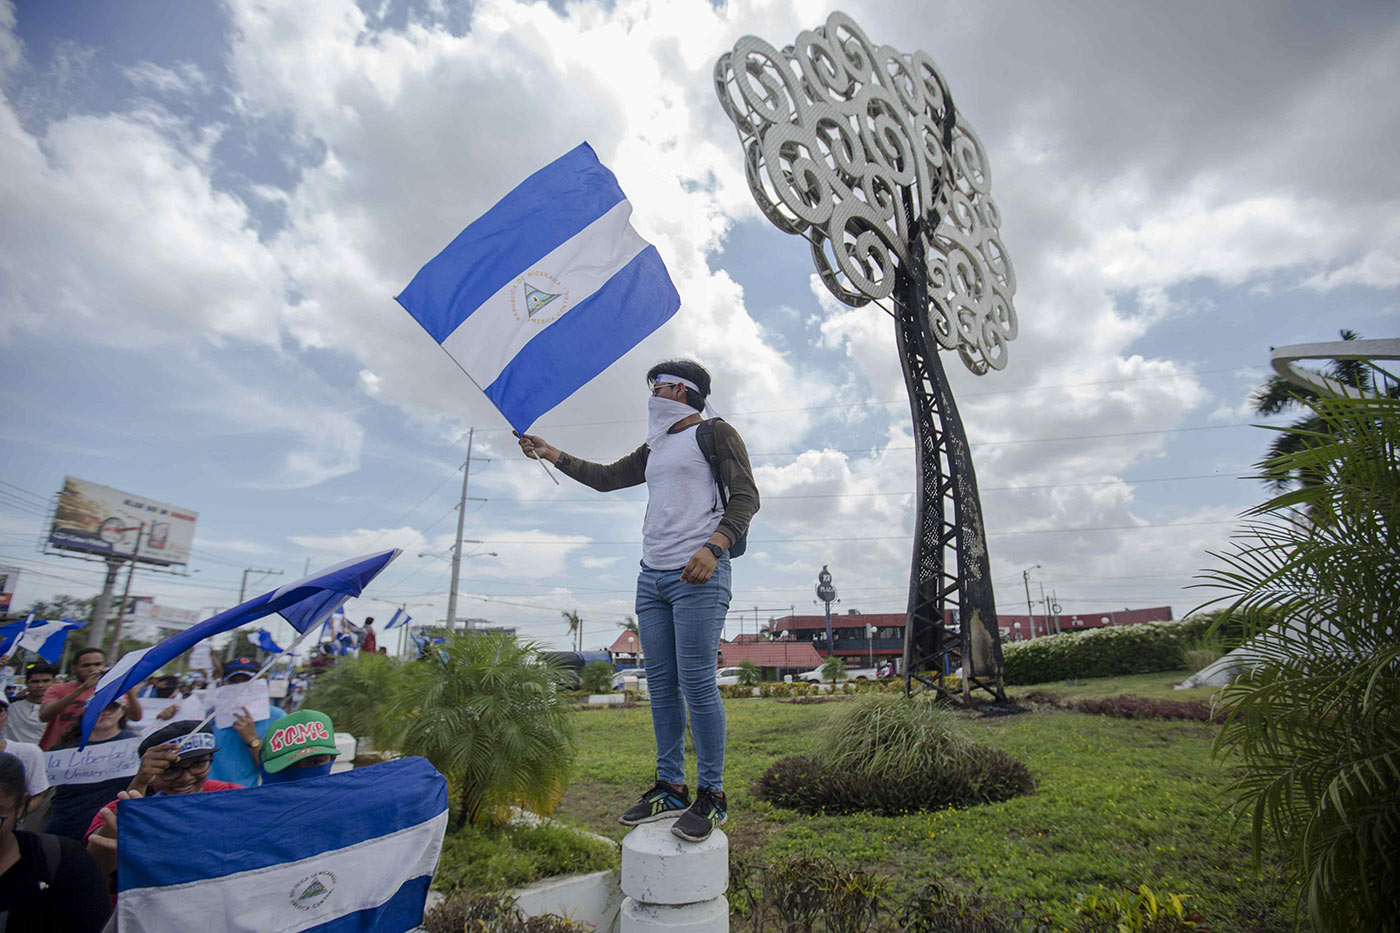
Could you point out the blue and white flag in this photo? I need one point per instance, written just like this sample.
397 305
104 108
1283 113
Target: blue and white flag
546 289
9 634
350 851
304 603
263 639
400 618
46 637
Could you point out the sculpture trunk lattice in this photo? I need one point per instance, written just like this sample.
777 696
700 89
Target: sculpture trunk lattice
859 150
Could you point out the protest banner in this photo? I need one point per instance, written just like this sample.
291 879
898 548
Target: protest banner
230 698
100 762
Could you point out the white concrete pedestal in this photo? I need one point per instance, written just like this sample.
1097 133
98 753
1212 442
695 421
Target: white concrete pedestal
674 885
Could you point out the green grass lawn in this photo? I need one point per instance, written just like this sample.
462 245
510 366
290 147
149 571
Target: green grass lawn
1119 802
1159 686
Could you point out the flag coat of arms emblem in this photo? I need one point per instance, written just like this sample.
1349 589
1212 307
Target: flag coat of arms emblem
546 289
346 852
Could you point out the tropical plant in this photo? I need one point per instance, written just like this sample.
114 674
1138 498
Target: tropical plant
750 674
1314 725
833 668
596 677
357 694
575 627
1279 395
488 714
629 624
893 755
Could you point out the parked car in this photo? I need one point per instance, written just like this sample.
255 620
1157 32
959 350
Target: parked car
851 673
636 674
727 677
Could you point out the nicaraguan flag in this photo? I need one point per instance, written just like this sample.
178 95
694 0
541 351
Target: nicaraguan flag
303 603
263 639
46 637
400 618
9 634
546 289
351 851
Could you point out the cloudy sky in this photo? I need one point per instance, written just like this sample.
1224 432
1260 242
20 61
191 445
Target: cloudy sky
205 210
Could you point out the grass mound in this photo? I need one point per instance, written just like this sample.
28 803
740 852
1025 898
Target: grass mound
892 755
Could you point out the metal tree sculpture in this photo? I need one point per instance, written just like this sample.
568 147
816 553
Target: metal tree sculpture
859 149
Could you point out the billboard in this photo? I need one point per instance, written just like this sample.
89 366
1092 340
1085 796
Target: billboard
9 576
103 520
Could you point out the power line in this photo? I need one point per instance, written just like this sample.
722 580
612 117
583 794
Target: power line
602 497
896 401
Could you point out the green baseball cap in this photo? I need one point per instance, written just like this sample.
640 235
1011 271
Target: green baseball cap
297 736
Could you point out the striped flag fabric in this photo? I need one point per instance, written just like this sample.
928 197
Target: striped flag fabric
46 637
263 639
302 603
546 289
400 618
344 852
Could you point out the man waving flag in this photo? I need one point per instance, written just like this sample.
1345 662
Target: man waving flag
545 290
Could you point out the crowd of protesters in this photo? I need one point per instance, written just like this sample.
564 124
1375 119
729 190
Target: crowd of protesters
58 845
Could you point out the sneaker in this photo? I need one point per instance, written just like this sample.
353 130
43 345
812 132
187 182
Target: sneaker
709 810
659 803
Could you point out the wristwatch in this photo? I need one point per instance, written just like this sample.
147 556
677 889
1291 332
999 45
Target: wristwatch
715 549
255 745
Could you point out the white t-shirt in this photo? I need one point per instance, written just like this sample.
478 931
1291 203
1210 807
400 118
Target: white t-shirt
24 724
683 507
36 774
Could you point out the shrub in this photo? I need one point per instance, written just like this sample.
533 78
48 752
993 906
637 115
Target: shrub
1104 652
1140 911
491 913
891 755
477 859
775 690
357 694
486 711
1126 707
833 669
596 677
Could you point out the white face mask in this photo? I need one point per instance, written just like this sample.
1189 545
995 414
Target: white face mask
661 414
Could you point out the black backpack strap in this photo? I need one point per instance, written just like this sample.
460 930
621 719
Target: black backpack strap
705 437
52 855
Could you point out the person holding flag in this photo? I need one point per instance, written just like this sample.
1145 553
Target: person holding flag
701 497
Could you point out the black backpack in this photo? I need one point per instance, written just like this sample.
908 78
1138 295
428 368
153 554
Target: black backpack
705 437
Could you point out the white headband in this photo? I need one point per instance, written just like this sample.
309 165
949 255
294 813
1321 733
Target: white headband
671 380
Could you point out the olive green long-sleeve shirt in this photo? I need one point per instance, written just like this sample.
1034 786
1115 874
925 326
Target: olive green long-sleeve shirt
631 470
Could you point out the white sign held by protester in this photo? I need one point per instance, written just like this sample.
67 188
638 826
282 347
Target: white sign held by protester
201 658
101 762
230 698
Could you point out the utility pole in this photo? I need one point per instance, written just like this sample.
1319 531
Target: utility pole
98 628
115 638
1030 613
243 587
457 546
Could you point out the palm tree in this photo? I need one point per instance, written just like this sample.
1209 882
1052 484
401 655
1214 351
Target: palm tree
486 711
750 674
629 624
357 694
575 628
833 668
1315 725
1279 395
596 677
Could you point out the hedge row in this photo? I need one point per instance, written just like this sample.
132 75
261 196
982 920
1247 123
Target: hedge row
1103 652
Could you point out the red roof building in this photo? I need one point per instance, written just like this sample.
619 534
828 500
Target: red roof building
859 646
779 657
626 650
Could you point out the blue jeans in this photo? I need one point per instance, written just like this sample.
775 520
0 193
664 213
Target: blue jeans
680 624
